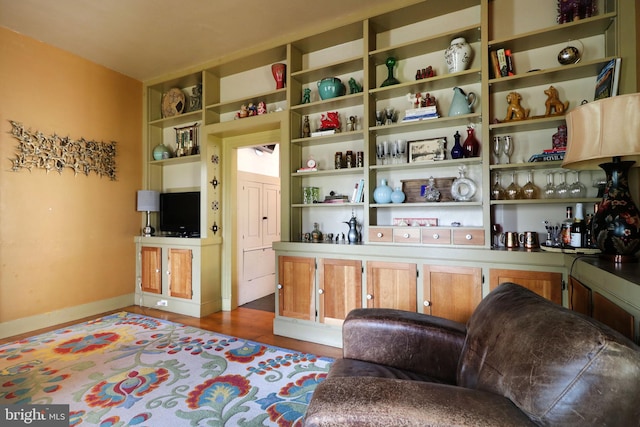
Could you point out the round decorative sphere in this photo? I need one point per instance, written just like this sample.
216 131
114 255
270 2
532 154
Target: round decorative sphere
397 196
161 152
569 55
382 193
458 55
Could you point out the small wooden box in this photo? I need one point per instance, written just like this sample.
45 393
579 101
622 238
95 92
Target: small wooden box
412 188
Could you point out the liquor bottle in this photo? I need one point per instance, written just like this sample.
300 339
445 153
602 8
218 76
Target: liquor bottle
578 229
565 228
588 237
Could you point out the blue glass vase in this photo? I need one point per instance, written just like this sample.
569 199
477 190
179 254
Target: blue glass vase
397 196
382 193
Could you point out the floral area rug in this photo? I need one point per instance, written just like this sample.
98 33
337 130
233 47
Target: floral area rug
128 369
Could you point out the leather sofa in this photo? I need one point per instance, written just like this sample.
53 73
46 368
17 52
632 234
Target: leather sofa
520 360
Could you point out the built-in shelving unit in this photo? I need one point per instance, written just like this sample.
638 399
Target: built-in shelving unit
416 34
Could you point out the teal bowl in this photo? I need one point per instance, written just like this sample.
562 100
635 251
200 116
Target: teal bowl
331 87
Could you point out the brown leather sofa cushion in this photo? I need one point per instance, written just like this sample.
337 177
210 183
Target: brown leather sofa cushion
384 402
557 366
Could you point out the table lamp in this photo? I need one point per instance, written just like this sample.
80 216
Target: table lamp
148 201
606 133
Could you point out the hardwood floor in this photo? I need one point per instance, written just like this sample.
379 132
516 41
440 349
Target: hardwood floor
256 325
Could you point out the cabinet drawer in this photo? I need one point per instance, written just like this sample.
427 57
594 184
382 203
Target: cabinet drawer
468 236
436 236
380 234
406 235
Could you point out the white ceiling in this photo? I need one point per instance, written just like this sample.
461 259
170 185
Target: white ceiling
148 38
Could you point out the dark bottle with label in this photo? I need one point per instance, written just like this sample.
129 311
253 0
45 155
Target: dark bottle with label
565 228
578 228
588 238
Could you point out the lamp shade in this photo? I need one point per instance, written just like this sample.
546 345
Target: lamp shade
601 130
148 201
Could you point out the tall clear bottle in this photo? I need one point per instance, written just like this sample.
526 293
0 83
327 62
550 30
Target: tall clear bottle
578 228
565 228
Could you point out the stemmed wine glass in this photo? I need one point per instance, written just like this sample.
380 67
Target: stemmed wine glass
513 191
497 191
530 190
549 189
393 146
497 148
507 147
402 150
562 189
387 152
577 189
380 152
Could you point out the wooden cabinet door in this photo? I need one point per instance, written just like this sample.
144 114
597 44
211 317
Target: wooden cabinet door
339 290
151 269
391 285
296 283
180 271
579 297
544 283
451 292
613 316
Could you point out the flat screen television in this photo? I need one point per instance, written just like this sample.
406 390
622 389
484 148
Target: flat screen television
180 214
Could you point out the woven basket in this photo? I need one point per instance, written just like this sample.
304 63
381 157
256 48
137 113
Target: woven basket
412 187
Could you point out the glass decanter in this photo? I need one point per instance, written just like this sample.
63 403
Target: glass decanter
497 190
530 190
463 189
513 191
430 192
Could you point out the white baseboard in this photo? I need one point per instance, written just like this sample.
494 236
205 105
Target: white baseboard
68 314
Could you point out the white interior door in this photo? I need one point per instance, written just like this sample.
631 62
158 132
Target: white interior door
258 220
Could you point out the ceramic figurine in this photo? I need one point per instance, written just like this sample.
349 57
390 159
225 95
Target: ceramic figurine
514 110
331 120
354 87
262 108
243 112
306 96
554 107
253 110
306 128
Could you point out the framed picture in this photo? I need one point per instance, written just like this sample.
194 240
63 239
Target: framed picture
427 150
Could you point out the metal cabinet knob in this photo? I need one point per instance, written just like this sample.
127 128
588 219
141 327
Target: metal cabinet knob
436 236
369 296
426 303
379 235
468 237
405 235
320 291
279 286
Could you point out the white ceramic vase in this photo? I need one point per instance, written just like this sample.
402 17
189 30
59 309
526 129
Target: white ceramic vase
458 55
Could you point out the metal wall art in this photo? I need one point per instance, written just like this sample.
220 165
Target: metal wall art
36 150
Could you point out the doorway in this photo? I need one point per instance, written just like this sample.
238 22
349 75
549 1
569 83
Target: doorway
258 221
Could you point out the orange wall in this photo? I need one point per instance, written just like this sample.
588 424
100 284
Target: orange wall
65 240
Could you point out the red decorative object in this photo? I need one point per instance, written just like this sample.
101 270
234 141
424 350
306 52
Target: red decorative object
329 121
471 146
279 74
